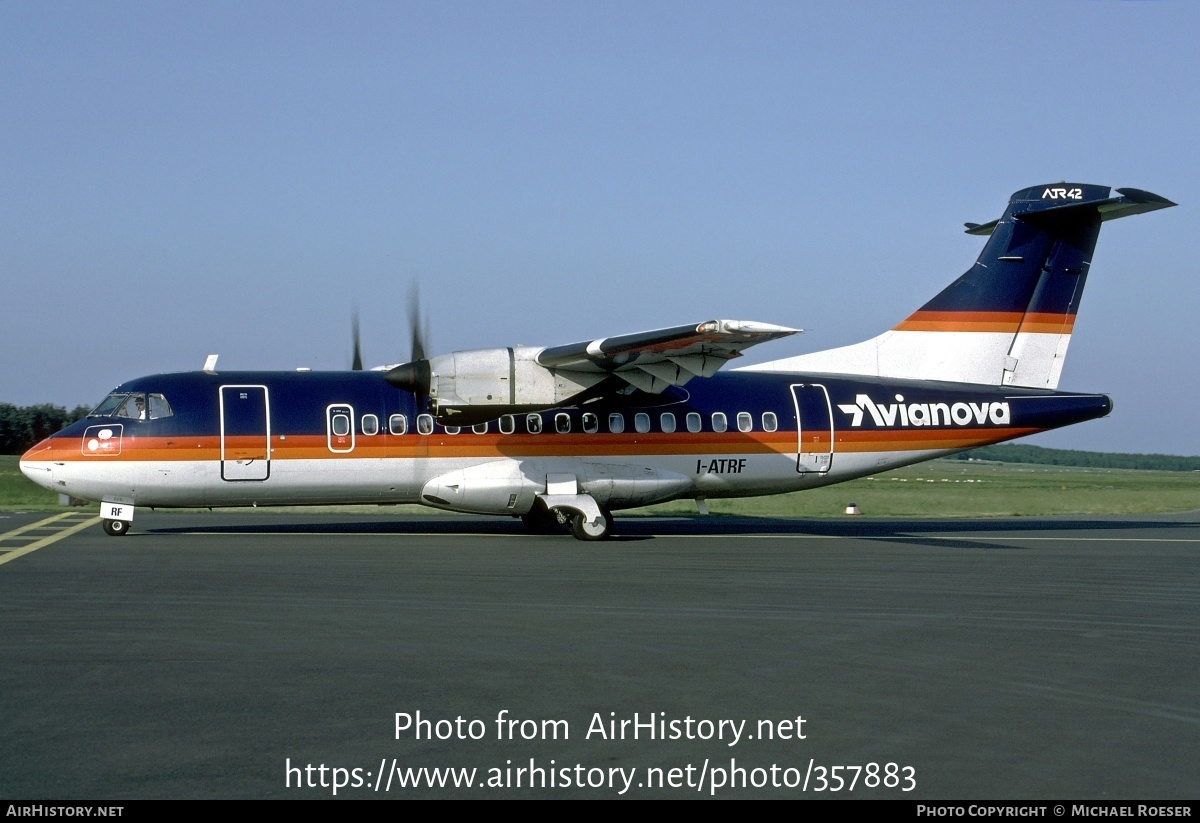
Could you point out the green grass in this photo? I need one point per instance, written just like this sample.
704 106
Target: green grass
954 488
941 488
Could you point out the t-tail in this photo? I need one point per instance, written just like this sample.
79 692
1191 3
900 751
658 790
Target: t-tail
1007 321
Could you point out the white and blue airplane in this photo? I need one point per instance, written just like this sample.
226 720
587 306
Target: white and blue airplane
566 435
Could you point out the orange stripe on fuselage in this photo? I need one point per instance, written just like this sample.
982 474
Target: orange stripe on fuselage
924 439
495 446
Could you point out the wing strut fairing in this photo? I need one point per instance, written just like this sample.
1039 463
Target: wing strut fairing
473 386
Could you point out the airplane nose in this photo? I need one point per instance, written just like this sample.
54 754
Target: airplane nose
42 475
38 469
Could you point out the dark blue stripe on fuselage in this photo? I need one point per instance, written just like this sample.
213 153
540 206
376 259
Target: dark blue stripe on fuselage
298 401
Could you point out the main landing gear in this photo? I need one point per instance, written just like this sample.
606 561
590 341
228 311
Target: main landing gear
582 529
543 520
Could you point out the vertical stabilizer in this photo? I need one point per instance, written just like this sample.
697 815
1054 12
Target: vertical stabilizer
1008 319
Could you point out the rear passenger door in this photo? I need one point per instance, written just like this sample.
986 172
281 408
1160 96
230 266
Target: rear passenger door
814 428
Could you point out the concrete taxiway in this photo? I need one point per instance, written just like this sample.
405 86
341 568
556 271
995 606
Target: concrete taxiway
249 654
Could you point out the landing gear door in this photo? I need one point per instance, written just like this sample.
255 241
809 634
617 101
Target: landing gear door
245 433
814 428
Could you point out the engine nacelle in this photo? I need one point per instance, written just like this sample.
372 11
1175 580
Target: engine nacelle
627 486
511 487
469 387
498 487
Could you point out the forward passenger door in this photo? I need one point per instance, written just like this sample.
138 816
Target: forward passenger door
245 433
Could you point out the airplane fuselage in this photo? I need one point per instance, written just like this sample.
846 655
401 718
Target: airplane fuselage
275 438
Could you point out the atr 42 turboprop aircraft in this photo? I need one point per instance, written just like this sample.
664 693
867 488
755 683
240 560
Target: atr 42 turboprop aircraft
569 434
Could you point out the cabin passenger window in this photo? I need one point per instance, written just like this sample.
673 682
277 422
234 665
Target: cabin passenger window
770 422
719 422
616 423
591 423
508 424
340 424
398 424
693 422
159 407
667 422
425 424
452 429
745 422
533 423
641 422
562 423
370 424
480 428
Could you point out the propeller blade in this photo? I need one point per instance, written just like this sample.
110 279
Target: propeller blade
414 376
419 330
356 365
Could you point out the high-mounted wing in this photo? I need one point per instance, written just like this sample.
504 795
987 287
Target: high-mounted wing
653 360
472 386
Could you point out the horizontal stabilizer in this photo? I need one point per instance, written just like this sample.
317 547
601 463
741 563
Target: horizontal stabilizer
1067 202
982 229
1135 201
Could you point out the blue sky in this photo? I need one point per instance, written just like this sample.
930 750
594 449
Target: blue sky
187 178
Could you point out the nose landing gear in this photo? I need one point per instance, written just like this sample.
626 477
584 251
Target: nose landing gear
116 528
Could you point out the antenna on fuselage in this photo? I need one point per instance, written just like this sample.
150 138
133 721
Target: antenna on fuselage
210 364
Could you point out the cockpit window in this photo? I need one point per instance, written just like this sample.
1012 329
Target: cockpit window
133 407
109 405
159 407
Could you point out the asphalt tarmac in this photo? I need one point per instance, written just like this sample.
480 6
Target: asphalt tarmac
256 655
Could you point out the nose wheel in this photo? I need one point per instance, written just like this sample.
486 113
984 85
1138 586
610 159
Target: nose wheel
116 528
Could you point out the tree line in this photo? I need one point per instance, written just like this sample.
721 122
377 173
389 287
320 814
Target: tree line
24 426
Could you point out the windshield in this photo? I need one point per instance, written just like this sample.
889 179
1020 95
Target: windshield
108 406
133 406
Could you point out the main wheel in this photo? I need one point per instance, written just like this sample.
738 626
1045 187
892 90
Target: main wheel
583 530
541 520
116 528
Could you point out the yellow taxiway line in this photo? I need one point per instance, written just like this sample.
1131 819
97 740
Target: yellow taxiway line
45 541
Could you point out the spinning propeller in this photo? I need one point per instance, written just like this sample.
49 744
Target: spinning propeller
414 376
408 376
